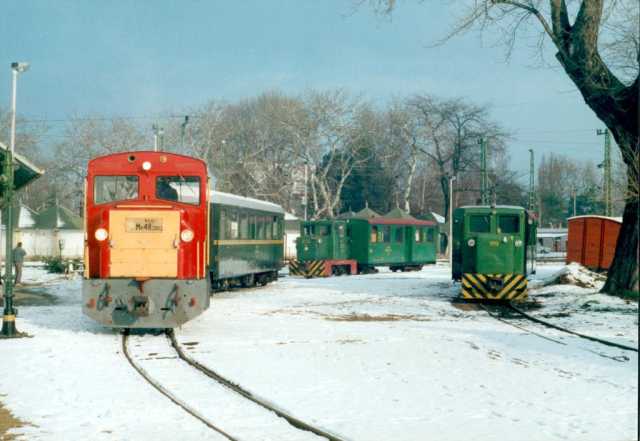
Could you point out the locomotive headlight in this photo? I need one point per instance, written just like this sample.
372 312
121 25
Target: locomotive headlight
146 166
471 243
518 243
101 234
186 235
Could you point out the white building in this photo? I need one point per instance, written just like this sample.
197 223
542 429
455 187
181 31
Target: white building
53 231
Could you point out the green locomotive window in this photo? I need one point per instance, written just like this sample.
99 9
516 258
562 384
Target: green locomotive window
309 230
480 223
509 224
417 235
374 234
325 230
114 188
341 230
399 235
185 189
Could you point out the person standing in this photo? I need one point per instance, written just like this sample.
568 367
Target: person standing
18 260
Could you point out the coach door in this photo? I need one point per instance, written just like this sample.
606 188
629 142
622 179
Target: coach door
144 243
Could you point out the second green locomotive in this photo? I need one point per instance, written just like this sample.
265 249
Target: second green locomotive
493 251
359 245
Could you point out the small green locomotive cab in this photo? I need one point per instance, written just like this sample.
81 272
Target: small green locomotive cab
492 251
323 249
400 244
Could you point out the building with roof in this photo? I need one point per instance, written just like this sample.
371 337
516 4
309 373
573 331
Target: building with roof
53 231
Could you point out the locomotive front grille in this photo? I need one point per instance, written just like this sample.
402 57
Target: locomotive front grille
143 243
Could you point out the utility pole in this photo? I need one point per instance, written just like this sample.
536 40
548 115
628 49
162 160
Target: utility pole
158 137
452 179
484 181
9 315
305 199
607 187
573 193
532 194
183 128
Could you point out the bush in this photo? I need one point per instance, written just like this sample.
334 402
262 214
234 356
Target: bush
55 264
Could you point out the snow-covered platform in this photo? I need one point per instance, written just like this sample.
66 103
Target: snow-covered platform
376 357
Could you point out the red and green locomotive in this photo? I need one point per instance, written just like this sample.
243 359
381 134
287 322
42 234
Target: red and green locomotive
493 251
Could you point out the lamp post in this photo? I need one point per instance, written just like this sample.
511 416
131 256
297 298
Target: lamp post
9 316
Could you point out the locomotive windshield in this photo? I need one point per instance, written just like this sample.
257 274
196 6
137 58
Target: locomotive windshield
509 223
114 188
185 189
480 223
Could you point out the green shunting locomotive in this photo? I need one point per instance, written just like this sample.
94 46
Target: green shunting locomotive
493 252
359 245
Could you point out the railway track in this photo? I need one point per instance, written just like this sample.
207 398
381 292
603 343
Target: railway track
250 409
497 312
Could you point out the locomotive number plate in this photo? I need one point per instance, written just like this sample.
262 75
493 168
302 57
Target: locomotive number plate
143 225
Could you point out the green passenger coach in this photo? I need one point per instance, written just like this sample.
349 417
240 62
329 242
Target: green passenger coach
246 241
493 251
400 244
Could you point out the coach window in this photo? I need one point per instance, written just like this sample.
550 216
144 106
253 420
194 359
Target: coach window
417 235
374 234
399 234
114 188
430 234
233 224
509 224
276 227
252 227
244 226
185 189
386 233
480 223
268 227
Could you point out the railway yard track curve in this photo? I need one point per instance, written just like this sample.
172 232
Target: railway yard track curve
497 312
179 354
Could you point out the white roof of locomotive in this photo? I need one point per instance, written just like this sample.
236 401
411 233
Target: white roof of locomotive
218 197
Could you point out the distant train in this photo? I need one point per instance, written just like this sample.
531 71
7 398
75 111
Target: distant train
359 245
493 251
157 240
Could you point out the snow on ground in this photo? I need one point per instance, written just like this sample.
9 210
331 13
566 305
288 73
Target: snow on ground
376 357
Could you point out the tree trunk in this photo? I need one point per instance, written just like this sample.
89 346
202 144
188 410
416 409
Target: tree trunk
623 273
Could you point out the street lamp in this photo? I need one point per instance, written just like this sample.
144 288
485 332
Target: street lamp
9 315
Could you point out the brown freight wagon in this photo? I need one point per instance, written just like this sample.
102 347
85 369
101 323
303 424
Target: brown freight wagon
592 240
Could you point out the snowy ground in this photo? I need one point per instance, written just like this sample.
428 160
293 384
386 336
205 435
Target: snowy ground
378 357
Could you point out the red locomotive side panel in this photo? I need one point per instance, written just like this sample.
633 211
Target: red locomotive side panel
592 240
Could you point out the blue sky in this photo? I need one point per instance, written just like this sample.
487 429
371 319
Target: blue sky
140 58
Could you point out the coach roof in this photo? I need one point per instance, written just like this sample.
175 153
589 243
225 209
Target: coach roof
218 197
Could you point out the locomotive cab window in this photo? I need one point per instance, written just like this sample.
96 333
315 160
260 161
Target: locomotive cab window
114 188
185 189
480 223
386 233
325 230
374 234
508 224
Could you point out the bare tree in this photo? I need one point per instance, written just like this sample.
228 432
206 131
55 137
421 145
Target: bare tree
602 64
